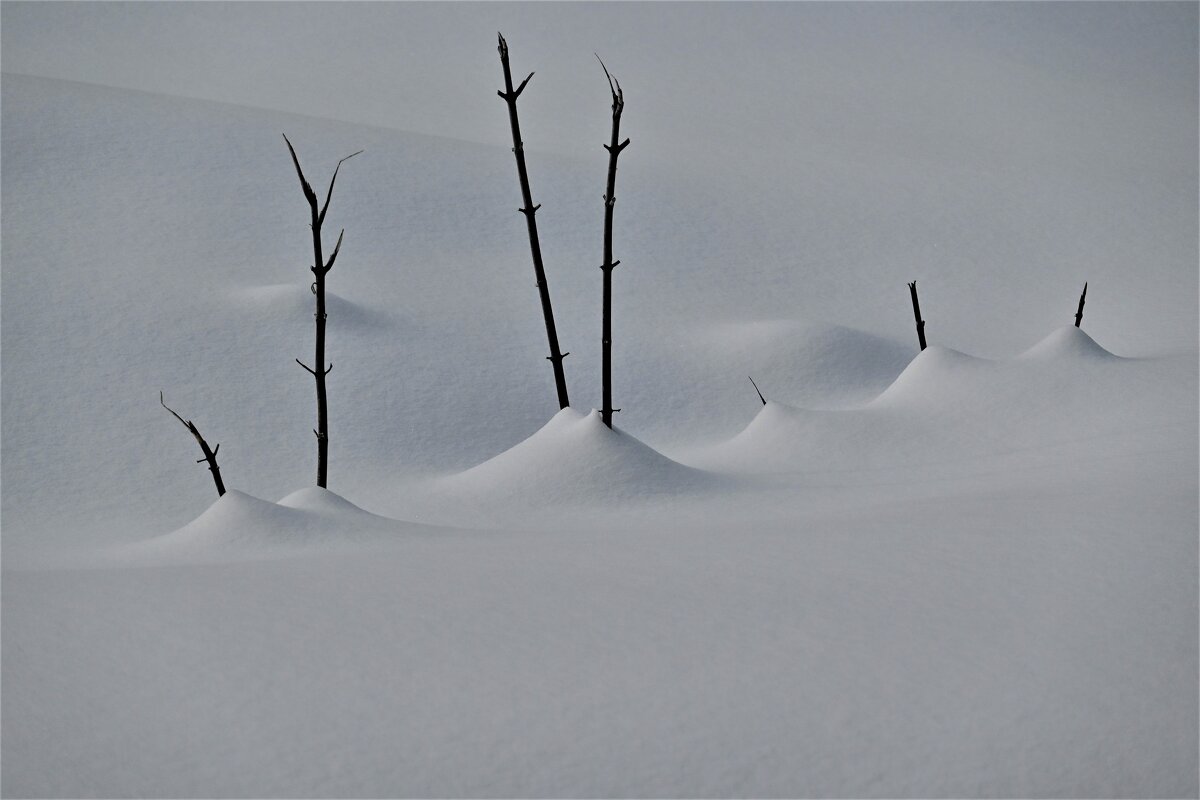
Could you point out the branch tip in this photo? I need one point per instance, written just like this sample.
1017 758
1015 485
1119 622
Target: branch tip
760 395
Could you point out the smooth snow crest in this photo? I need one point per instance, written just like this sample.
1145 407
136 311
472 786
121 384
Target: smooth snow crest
1067 342
575 458
239 526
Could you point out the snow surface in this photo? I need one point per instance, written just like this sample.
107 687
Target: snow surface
238 527
970 571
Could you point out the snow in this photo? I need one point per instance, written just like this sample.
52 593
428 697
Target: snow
575 458
968 571
1067 342
239 526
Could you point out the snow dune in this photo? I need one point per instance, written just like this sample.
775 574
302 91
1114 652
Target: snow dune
906 575
240 527
575 459
951 408
290 305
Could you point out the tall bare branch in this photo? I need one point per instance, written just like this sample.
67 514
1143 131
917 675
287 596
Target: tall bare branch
319 269
610 201
529 210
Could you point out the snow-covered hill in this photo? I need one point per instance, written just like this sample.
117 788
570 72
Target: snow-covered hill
195 282
968 571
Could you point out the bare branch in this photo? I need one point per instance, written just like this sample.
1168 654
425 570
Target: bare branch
336 248
916 304
517 92
608 75
209 455
755 385
183 422
304 184
329 195
306 367
614 148
528 210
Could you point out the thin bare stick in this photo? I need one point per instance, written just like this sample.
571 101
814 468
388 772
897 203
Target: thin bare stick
755 385
509 95
209 455
610 200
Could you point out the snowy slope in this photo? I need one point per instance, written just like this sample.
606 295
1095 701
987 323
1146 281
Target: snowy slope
1028 635
575 457
970 571
1063 398
238 527
435 332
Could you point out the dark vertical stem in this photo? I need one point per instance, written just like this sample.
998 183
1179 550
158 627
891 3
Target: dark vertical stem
510 96
610 201
210 455
912 288
319 373
1079 311
320 268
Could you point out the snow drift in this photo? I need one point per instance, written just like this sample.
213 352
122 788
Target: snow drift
965 577
948 407
239 526
575 459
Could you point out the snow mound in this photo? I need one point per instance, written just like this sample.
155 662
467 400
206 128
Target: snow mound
294 302
1067 342
322 501
575 458
786 439
935 373
810 363
240 526
949 408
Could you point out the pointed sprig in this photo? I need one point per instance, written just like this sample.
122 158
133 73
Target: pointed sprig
614 86
508 94
618 99
186 423
329 194
760 394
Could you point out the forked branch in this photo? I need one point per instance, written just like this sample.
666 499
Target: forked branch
320 267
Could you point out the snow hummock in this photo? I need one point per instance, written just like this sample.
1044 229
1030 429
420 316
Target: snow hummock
574 458
319 500
291 304
1067 342
240 526
947 406
815 363
934 372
